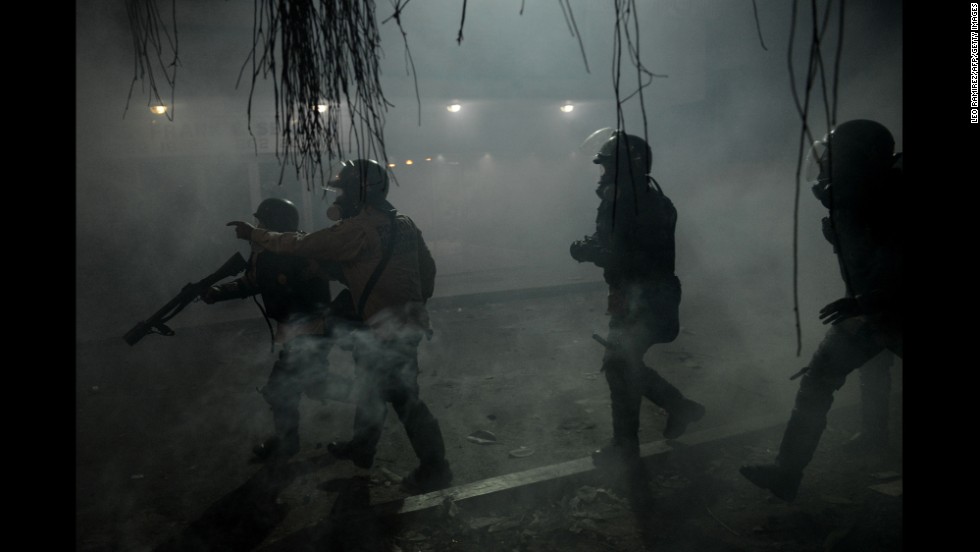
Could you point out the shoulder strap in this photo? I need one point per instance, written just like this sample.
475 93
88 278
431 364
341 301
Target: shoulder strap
377 271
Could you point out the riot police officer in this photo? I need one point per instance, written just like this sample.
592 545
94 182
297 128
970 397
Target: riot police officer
390 274
859 180
634 245
295 293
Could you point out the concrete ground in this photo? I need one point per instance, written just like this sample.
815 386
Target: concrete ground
164 432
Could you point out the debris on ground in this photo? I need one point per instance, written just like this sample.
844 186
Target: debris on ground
482 437
521 452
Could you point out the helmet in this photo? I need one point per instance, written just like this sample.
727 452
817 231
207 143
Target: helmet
363 181
855 152
863 141
629 148
278 215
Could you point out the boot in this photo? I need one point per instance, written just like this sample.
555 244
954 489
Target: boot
276 447
285 442
428 477
678 417
782 482
344 450
806 425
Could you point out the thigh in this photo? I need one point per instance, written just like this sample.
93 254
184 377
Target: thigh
846 347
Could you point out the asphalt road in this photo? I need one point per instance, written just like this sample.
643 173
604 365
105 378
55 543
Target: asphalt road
164 432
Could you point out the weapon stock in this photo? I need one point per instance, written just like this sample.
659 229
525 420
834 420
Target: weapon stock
156 323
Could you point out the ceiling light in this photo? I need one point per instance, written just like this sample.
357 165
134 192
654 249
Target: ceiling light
567 108
453 108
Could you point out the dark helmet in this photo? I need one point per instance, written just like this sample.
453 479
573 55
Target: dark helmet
630 148
854 154
364 181
278 215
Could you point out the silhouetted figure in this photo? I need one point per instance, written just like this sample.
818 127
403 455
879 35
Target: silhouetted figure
634 245
390 274
296 294
860 182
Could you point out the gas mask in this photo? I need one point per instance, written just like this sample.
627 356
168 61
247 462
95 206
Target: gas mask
818 173
343 206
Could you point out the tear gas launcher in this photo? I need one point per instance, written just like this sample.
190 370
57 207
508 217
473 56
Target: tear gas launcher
191 291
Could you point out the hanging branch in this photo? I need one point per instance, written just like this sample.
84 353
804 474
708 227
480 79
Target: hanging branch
815 73
409 62
758 27
152 44
459 37
625 13
320 55
566 10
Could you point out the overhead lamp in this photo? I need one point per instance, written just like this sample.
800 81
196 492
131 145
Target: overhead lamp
453 107
158 109
567 108
391 165
409 162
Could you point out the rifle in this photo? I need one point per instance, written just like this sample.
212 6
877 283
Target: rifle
155 323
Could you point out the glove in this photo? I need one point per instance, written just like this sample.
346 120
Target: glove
584 250
210 295
243 230
840 310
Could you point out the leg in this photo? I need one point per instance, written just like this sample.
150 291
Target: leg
317 381
845 348
681 411
420 425
875 390
282 392
370 410
655 310
621 364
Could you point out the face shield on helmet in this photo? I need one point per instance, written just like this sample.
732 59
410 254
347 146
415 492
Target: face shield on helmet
621 157
817 171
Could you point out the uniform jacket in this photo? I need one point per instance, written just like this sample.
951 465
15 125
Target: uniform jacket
358 244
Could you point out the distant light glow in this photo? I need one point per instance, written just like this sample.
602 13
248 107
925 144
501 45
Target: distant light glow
409 162
391 164
158 109
453 108
428 159
322 108
567 108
